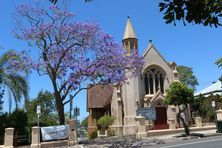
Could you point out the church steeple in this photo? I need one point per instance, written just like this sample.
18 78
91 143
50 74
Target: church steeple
130 41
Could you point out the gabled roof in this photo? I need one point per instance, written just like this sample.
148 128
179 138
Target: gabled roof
129 31
157 95
212 88
150 47
99 96
172 63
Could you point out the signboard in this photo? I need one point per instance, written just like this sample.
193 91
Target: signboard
148 113
76 111
213 104
38 109
54 132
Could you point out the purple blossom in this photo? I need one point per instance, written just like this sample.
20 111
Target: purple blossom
76 52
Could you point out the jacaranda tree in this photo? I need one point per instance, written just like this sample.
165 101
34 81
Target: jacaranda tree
73 54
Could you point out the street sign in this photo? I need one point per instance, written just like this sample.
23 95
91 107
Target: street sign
148 113
38 110
213 104
76 112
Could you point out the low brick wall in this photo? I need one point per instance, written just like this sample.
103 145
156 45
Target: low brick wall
54 143
175 131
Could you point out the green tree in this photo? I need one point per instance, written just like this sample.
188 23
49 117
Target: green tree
187 77
19 120
206 12
15 81
84 123
198 106
48 110
180 95
219 63
202 106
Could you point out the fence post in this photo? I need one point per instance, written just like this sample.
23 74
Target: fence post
172 123
198 122
35 137
9 136
72 137
141 127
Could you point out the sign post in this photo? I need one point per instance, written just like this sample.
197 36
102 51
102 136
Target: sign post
70 107
76 114
38 111
215 115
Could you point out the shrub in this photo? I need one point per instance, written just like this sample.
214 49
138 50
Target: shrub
3 124
18 120
104 122
93 135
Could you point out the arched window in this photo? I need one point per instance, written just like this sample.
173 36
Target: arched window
146 84
161 84
132 45
154 81
151 84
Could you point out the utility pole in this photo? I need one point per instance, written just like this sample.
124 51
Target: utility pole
76 114
71 106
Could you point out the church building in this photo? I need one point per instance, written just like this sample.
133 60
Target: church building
147 90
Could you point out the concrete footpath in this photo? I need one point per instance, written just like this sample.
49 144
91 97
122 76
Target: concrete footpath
179 130
181 136
167 133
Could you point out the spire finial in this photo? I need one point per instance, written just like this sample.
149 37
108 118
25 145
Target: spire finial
150 41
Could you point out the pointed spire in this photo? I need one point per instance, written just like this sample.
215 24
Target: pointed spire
129 31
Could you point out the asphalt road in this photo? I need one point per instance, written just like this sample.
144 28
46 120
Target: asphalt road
209 142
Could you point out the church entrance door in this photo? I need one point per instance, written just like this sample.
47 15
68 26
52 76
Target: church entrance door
161 118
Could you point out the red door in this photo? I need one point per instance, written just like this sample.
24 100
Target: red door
161 118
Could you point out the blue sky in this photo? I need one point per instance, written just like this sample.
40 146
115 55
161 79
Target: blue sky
192 45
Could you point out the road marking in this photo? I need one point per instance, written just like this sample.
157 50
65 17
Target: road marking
212 140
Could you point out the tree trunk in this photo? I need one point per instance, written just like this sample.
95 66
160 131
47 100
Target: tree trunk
60 108
186 127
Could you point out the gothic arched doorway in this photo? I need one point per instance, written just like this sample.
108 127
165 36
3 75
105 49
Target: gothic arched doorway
161 114
161 118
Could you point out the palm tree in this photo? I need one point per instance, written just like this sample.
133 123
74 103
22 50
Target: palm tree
15 81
